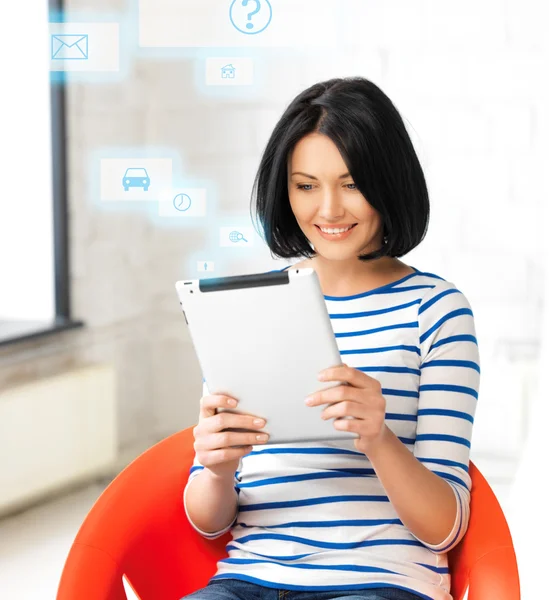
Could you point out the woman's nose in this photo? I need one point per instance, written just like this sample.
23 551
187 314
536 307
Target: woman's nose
330 208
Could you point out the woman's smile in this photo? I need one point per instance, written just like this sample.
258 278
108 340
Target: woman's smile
335 237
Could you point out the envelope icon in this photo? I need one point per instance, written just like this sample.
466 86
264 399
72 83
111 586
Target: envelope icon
69 47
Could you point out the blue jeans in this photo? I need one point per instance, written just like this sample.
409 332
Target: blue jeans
236 589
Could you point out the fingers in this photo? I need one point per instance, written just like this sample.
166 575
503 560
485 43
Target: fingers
226 430
213 422
209 404
334 395
228 440
209 458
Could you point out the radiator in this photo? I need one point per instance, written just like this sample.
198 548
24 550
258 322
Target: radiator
55 432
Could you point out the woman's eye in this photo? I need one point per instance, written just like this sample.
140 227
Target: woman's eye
307 186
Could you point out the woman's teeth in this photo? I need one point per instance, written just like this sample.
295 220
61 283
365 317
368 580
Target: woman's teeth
332 231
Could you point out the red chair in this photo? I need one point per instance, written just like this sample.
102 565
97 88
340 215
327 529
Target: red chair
138 527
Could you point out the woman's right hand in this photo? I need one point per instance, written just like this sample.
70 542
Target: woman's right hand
214 439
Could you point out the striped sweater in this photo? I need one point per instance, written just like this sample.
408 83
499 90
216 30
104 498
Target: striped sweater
314 515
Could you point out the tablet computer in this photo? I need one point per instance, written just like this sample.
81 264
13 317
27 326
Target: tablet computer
262 339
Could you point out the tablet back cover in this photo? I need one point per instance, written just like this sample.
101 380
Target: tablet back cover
263 339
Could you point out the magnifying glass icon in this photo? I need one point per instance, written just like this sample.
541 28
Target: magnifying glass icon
236 236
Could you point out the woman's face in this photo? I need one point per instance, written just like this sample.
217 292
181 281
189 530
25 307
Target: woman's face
322 192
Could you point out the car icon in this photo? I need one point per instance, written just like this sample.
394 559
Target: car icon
136 177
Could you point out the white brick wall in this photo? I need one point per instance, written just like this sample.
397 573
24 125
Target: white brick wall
470 80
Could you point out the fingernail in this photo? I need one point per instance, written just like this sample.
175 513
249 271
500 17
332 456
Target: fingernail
309 400
259 422
231 402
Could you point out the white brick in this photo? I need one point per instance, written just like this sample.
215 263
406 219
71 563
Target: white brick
177 391
132 355
530 182
361 61
169 83
541 128
233 177
112 292
527 24
511 126
394 24
264 121
363 20
464 182
126 95
202 131
493 275
501 321
426 74
467 25
456 127
122 129
402 24
444 232
430 256
509 74
286 78
444 227
497 224
501 409
458 73
466 128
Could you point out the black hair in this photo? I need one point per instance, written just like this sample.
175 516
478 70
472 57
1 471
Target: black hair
374 144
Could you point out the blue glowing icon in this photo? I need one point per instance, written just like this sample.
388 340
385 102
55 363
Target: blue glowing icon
136 177
250 21
69 47
205 266
182 202
228 72
236 236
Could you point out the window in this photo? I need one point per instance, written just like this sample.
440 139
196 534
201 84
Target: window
34 274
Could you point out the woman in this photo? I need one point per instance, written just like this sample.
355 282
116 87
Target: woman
340 185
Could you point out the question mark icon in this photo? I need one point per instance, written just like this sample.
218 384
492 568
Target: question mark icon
242 19
254 12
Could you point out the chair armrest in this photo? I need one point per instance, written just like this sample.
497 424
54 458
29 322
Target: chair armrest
494 576
104 581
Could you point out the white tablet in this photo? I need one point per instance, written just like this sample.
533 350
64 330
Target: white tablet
263 339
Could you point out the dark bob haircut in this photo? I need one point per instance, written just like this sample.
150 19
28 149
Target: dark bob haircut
371 137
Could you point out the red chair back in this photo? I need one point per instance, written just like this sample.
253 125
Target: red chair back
485 559
138 527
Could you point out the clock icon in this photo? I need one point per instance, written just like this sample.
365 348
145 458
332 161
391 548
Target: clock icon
182 202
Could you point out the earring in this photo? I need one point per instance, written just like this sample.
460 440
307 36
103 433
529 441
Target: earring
385 239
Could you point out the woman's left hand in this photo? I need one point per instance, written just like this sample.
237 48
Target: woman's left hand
361 398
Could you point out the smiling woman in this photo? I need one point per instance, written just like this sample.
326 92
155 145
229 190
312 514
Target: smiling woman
340 184
34 296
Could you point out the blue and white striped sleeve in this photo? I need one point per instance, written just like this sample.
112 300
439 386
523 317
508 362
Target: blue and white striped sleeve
196 468
448 395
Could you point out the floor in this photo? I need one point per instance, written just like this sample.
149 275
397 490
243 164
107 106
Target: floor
36 542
